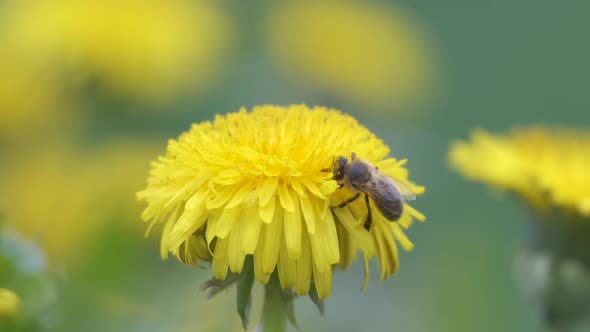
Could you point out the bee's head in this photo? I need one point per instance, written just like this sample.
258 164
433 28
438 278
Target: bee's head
338 164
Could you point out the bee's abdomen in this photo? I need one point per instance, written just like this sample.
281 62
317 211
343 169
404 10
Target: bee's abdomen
391 210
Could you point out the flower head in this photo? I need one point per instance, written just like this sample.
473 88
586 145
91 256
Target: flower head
29 98
254 184
9 304
94 183
547 166
367 53
144 49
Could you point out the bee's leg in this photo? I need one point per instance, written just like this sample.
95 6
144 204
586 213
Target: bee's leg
369 220
350 200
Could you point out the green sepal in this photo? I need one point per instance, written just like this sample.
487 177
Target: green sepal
215 286
314 297
244 292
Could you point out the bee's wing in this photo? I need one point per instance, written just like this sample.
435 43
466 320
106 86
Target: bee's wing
407 193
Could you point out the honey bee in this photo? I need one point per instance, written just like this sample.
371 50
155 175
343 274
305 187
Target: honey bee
359 176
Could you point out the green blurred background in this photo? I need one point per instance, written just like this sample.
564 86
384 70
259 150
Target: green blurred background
90 93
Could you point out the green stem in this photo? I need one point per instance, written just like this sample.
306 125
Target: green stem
274 315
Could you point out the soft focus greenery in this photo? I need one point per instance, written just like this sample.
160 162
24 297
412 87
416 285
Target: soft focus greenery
76 142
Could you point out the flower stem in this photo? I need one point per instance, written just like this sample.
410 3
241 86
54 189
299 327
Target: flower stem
274 315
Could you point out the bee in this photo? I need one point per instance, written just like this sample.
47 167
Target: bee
359 176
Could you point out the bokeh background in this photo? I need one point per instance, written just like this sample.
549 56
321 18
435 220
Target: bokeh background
90 92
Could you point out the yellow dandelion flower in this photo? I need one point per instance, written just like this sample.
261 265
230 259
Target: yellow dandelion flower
9 304
253 184
369 53
94 183
546 165
145 49
29 98
549 167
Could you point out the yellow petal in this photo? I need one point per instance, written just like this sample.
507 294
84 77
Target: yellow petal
267 190
272 242
220 259
414 213
386 248
240 195
328 187
393 256
304 266
181 193
293 229
197 201
347 249
211 230
187 224
312 187
285 197
323 282
401 237
165 236
235 249
287 269
252 229
261 276
228 177
166 232
367 275
227 221
355 230
324 245
308 213
297 187
333 252
267 212
221 197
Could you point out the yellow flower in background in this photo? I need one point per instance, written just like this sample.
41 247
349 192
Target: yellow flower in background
370 53
29 98
493 159
251 184
9 304
60 196
151 50
546 165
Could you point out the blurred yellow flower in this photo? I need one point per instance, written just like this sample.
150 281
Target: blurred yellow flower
29 98
94 185
9 304
251 184
147 49
370 53
546 165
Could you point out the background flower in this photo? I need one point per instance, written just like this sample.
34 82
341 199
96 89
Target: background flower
549 168
29 97
151 50
546 165
61 197
370 53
